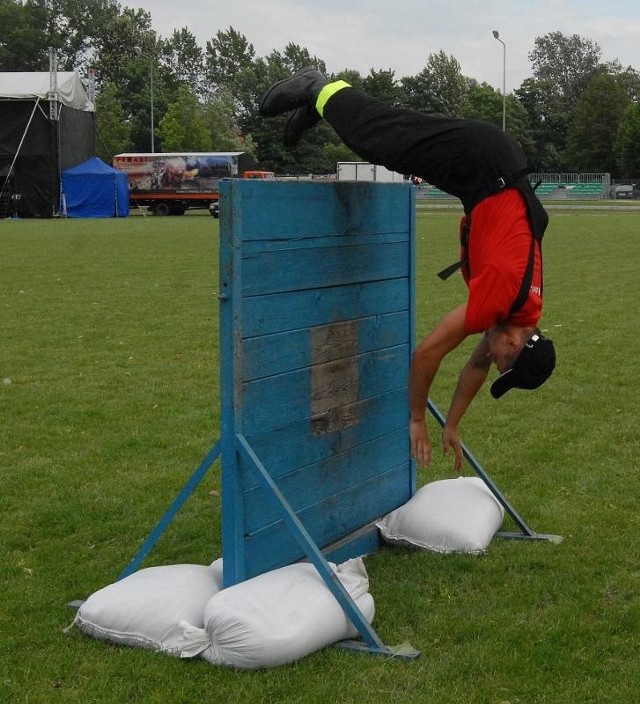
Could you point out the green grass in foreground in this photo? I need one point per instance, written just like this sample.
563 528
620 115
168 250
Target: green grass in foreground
110 346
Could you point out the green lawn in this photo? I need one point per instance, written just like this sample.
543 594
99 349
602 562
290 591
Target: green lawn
109 399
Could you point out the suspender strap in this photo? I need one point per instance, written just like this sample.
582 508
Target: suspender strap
450 270
523 293
527 279
506 181
465 228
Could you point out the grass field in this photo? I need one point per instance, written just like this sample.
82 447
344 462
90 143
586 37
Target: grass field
109 399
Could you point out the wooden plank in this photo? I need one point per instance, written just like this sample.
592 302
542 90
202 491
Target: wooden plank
320 267
230 269
285 448
306 486
281 210
281 352
329 520
279 400
252 248
281 312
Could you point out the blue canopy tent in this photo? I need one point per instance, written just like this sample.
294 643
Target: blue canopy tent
95 190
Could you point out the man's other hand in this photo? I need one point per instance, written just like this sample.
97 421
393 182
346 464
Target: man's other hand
451 441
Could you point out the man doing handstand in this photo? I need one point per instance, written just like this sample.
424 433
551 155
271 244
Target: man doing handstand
500 235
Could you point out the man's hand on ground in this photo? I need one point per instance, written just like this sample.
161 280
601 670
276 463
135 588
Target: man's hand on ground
451 441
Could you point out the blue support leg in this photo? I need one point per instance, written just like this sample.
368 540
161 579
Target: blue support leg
170 513
372 642
526 532
164 522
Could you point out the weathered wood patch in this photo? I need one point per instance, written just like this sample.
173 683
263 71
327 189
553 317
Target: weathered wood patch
335 378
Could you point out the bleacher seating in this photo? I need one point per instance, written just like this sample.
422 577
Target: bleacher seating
586 190
544 189
429 191
569 190
547 189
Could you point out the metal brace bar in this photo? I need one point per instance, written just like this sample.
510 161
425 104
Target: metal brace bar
299 532
527 533
170 513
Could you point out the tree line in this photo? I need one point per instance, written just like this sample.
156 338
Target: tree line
574 113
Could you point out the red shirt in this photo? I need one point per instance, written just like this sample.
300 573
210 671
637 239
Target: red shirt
498 252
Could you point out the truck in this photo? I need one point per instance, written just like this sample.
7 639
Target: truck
170 183
364 171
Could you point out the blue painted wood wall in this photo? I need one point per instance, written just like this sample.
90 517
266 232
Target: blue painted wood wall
316 321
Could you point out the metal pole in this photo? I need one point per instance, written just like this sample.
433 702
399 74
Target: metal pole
526 532
496 35
153 147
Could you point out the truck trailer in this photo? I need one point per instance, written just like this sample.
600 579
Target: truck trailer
170 183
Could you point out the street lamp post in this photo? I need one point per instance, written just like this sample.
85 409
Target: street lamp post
153 145
140 52
496 35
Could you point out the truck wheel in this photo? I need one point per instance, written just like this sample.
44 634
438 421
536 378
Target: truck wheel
162 209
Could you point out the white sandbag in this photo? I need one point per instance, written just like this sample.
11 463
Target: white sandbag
278 617
146 608
451 515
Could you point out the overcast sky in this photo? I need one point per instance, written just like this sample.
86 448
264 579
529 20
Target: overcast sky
388 34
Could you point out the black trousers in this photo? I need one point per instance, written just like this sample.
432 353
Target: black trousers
469 159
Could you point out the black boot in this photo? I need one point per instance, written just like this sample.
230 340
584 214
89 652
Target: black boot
301 120
300 89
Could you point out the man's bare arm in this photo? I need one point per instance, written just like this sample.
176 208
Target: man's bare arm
446 336
470 381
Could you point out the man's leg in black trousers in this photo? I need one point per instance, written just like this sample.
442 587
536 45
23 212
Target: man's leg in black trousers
402 140
466 158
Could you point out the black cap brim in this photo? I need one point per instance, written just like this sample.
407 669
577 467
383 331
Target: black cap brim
502 384
532 368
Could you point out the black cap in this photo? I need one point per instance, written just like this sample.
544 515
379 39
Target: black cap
532 367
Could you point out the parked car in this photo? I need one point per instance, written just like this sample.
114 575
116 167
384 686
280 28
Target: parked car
623 191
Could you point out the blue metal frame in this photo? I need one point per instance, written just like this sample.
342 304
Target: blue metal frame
170 513
373 643
526 532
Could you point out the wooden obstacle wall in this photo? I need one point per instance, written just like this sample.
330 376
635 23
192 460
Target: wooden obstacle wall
316 327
